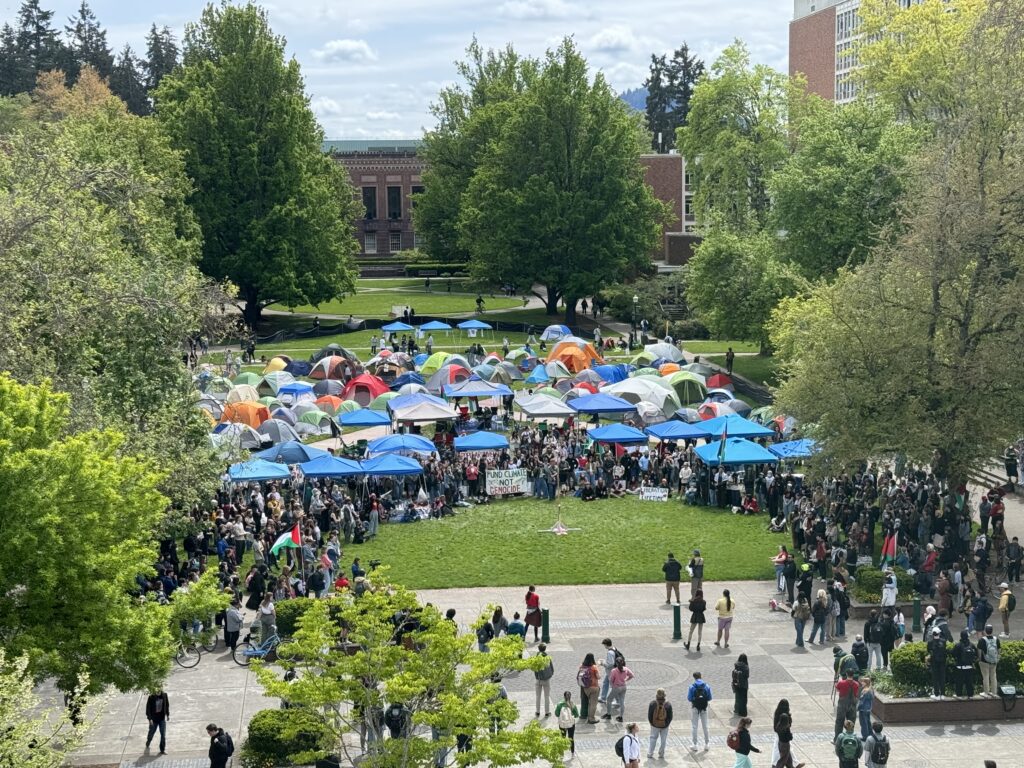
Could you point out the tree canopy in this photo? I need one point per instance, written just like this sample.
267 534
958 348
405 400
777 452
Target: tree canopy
274 210
670 85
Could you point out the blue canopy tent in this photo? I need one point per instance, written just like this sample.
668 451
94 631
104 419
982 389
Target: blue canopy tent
677 430
476 388
257 469
613 374
331 466
601 403
363 418
617 433
396 327
738 450
291 452
435 325
404 401
735 426
389 464
795 449
295 389
399 444
410 377
474 325
481 441
538 376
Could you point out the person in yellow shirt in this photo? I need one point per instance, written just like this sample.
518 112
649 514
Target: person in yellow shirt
725 607
1005 609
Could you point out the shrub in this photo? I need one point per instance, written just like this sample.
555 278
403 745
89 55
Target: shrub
692 330
910 671
275 735
868 585
436 269
288 613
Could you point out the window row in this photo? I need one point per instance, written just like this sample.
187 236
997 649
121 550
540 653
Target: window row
394 201
394 242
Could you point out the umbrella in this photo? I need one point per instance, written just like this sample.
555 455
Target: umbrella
291 452
663 349
481 441
257 469
247 377
400 444
330 466
364 418
328 387
396 327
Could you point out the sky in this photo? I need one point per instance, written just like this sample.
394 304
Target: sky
372 69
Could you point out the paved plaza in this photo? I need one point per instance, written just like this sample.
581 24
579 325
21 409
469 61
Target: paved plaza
640 624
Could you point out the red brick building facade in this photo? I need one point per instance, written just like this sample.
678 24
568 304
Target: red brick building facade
812 51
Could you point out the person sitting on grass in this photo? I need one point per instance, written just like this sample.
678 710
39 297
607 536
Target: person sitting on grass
587 491
601 490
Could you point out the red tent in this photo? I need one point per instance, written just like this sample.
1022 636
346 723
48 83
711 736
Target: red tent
719 380
364 388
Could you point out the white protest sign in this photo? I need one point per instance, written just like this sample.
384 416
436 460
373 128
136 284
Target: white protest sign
504 482
651 493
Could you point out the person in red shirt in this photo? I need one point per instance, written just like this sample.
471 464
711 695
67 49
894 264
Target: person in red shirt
341 582
847 695
533 612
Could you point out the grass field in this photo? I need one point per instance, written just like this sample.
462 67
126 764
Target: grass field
621 541
373 302
758 369
710 346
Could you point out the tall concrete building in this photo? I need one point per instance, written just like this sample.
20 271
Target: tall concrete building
822 36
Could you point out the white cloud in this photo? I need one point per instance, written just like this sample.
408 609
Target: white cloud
324 106
540 10
624 75
353 51
614 39
382 115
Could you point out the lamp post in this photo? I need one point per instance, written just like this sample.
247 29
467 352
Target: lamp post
636 302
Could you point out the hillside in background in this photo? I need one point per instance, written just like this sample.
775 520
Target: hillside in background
636 98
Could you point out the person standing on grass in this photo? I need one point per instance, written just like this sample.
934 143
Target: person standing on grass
672 569
659 716
697 608
566 714
725 607
740 685
745 747
696 569
699 696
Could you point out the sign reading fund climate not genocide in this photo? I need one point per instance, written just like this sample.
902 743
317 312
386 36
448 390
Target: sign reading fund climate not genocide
504 482
652 493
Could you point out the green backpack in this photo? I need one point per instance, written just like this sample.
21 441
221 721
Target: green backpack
849 745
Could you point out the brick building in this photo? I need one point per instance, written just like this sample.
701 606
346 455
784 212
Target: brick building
385 173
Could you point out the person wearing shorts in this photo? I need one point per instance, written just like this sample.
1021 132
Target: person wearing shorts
725 607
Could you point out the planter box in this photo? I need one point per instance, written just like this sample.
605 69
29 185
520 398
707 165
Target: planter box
893 711
861 611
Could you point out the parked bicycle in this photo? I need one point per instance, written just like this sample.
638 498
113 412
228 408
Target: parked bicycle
248 650
187 653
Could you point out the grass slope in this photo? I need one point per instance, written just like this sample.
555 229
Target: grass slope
622 541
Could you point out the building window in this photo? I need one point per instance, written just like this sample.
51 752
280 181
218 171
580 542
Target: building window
688 180
416 191
370 242
416 240
396 242
370 202
394 202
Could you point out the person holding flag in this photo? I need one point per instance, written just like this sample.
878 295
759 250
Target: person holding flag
290 539
889 588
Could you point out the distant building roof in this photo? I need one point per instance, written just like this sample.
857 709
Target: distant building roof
372 145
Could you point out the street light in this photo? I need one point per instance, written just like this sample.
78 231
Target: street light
636 302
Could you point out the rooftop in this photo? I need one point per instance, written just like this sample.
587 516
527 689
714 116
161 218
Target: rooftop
372 145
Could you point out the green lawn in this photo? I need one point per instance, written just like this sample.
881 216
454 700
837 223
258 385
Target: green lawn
437 284
621 541
761 370
710 346
378 303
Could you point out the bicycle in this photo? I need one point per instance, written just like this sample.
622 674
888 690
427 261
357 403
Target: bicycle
187 654
246 651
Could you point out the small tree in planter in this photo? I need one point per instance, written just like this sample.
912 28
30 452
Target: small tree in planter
391 649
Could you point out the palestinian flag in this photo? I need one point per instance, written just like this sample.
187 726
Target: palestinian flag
721 445
888 550
287 539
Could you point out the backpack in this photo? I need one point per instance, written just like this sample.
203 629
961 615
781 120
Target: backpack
659 718
848 746
565 717
732 741
585 678
985 610
991 654
618 656
619 748
1011 603
880 751
547 673
737 679
229 743
485 633
700 698
970 655
875 632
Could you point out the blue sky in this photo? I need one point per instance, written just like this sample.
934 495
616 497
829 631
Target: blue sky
373 68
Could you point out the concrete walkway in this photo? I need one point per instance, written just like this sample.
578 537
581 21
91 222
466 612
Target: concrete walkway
640 624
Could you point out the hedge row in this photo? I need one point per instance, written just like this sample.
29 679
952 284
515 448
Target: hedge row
868 585
911 671
276 734
437 269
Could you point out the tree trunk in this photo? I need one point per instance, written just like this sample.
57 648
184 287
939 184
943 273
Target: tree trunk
253 311
570 311
551 301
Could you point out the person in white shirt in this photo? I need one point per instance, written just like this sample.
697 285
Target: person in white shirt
631 746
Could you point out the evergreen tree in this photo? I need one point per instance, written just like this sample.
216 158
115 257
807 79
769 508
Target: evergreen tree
127 81
670 87
658 106
38 47
161 56
11 61
87 44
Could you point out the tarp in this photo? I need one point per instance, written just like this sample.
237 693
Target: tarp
476 388
396 327
400 444
601 403
474 325
291 452
737 451
435 325
331 466
257 469
543 407
390 464
555 332
364 418
737 427
481 441
677 430
618 433
795 449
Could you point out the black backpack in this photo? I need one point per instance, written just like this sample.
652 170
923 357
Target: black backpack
875 632
618 656
619 748
700 698
880 752
229 744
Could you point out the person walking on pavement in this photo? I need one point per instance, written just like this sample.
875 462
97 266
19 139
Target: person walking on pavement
696 569
631 746
221 746
697 608
659 716
745 747
619 676
801 613
876 748
699 696
566 714
589 681
740 685
784 739
848 747
543 682
1007 603
672 569
847 693
158 712
725 607
989 649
